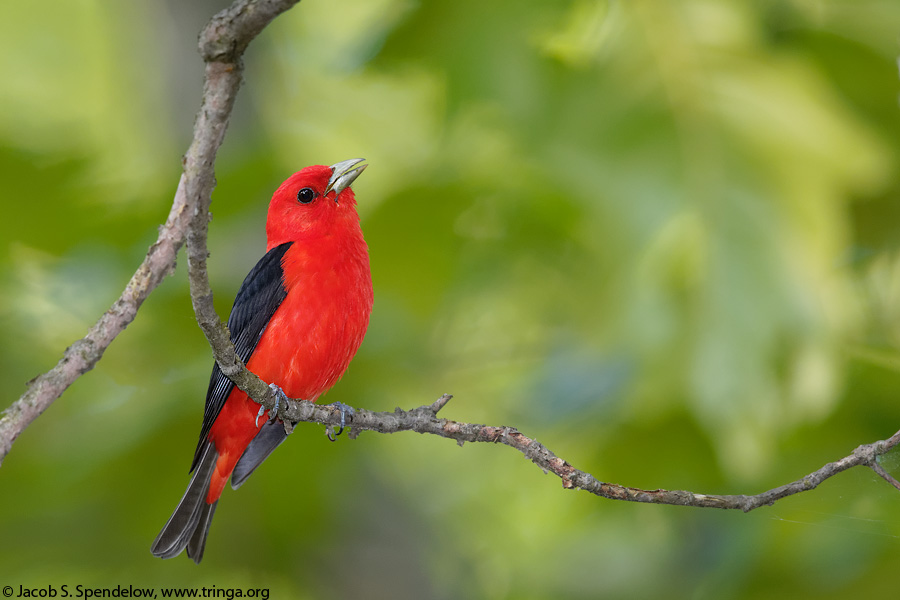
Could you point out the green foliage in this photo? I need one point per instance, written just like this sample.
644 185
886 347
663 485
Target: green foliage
660 237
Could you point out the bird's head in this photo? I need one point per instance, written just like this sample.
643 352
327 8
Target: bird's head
314 202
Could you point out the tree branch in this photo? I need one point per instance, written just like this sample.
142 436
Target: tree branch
222 44
424 420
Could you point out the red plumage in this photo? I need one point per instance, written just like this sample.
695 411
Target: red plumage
297 322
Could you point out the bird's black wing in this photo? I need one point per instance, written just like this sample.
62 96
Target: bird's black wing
259 297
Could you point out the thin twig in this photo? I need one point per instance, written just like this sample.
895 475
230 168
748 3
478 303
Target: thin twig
424 420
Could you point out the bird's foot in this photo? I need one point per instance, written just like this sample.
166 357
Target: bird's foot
345 410
279 397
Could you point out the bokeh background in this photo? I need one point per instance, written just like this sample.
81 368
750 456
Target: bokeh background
660 237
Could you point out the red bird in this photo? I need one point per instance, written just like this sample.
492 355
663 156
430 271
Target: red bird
297 321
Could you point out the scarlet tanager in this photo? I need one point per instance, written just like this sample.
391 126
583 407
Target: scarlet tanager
297 321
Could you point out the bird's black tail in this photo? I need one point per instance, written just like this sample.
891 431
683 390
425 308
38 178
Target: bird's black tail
189 524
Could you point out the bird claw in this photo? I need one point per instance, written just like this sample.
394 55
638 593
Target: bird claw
345 410
279 396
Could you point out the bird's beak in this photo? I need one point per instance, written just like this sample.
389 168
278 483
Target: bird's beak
343 174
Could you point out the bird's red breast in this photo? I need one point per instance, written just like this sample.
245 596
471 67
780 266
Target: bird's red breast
317 329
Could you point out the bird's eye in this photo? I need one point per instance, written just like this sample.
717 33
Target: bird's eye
306 195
